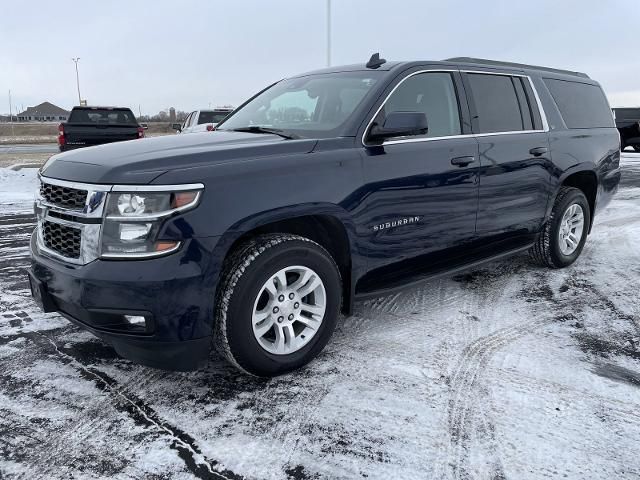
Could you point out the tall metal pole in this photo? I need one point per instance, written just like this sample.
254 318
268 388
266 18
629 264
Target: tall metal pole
75 60
328 33
10 108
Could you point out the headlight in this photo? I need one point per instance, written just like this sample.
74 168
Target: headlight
134 216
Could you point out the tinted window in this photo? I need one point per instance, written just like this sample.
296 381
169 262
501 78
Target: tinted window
103 116
432 94
496 103
627 114
211 117
581 105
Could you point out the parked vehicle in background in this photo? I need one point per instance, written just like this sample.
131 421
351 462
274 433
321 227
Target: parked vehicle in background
89 126
628 124
339 184
202 120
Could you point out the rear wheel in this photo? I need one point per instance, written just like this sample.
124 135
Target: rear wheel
278 304
563 236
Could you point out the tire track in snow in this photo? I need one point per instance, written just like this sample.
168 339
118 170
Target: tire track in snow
141 413
466 396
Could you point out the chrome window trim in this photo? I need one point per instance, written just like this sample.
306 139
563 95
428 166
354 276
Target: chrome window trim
543 116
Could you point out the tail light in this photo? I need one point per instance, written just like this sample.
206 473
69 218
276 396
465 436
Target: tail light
140 132
210 128
61 139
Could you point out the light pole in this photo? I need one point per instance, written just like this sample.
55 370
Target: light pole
10 108
75 60
328 33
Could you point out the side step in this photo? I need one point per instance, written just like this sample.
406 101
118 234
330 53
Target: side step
420 277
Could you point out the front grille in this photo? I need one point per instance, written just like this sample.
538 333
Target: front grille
64 197
61 239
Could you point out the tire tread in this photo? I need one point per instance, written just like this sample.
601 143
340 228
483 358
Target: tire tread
540 253
235 268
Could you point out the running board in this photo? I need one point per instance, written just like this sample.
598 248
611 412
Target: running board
424 277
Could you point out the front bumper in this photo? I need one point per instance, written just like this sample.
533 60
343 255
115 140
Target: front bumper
174 293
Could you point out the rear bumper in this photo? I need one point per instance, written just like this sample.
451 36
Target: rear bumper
173 293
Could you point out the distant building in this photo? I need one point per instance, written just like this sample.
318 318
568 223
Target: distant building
45 112
172 115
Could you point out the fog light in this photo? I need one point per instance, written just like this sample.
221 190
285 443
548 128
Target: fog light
135 319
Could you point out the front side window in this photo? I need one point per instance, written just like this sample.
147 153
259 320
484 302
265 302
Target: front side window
309 106
431 93
496 101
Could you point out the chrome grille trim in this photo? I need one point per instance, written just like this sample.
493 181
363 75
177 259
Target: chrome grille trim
93 208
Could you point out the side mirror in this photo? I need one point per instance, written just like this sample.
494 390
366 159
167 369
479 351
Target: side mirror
400 124
176 126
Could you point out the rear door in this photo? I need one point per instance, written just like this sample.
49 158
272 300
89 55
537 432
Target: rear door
422 191
515 166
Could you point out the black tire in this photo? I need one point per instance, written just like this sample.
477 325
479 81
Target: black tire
546 251
246 271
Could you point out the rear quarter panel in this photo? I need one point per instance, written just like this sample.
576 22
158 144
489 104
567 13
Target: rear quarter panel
575 150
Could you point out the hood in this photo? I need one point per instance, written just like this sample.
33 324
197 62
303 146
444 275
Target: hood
140 161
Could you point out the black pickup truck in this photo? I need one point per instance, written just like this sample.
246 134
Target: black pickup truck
628 124
89 126
326 187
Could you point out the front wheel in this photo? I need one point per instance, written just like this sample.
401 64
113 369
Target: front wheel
278 304
565 232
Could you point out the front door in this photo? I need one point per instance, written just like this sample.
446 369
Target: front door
421 193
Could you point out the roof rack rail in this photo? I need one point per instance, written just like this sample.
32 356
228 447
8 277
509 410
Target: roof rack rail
495 63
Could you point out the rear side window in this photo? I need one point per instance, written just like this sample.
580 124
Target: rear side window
103 116
432 94
581 105
497 105
211 117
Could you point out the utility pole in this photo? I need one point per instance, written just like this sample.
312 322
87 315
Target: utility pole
328 33
10 108
75 60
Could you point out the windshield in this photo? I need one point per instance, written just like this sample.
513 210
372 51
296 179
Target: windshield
212 117
306 106
102 116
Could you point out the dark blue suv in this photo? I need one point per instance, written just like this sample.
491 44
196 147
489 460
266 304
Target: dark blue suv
323 188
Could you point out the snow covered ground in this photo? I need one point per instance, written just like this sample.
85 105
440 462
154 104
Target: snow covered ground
506 372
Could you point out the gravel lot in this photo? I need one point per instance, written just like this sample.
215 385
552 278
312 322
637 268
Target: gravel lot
506 372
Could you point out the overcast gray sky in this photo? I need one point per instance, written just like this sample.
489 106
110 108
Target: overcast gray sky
188 54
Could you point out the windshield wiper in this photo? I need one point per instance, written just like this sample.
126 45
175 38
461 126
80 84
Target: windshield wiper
259 129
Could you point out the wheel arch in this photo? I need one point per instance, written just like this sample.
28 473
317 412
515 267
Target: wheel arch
585 180
328 225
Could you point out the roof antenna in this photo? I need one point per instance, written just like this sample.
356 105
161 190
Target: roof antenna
375 61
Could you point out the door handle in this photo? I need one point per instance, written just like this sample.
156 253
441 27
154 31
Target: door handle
538 151
462 161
